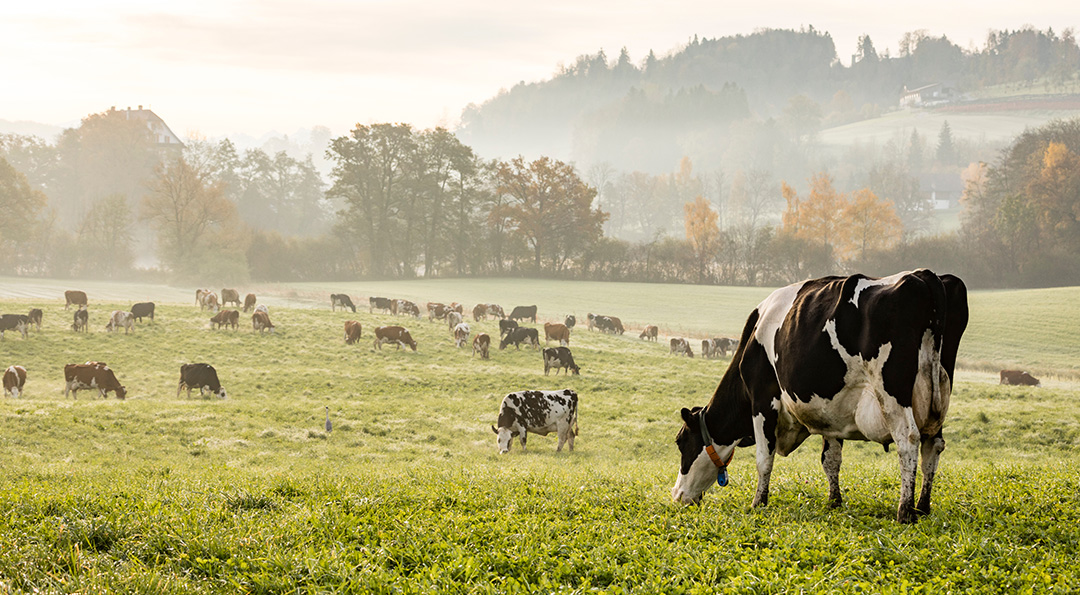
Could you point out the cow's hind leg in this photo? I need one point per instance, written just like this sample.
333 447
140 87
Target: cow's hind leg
907 444
931 451
831 456
563 430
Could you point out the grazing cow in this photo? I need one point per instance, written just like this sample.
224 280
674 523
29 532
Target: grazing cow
260 321
437 311
456 307
716 347
453 319
74 297
605 324
91 375
650 333
14 380
143 310
479 311
495 310
523 312
1018 377
393 334
559 332
81 320
341 300
570 321
121 319
481 344
210 302
461 334
407 308
379 303
616 325
34 317
227 318
230 296
249 302
506 325
849 358
201 376
521 334
539 412
14 322
353 331
200 295
560 358
680 346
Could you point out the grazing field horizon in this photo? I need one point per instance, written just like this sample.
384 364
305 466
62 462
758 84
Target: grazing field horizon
162 493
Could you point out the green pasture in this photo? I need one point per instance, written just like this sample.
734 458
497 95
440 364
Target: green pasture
407 494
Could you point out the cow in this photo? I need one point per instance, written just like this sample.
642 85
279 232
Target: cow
437 311
604 324
650 333
521 334
230 296
34 317
260 321
849 358
616 325
570 321
81 320
506 325
479 311
74 297
226 318
210 302
539 412
200 295
453 319
143 310
393 334
495 310
1018 377
407 308
461 334
559 332
560 358
680 346
456 307
523 312
341 300
120 319
14 322
92 375
201 376
353 331
249 302
590 318
14 380
379 303
481 344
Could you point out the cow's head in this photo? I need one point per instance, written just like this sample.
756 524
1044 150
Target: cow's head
121 392
575 369
697 472
221 393
504 436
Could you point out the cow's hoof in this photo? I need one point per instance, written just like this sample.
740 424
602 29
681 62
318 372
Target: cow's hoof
906 517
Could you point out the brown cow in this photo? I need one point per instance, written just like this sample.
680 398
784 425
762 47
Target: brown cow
121 319
230 296
556 331
680 346
437 311
91 375
353 330
226 318
456 307
461 334
249 302
393 334
14 379
199 295
479 311
74 297
35 317
481 344
1018 377
650 333
260 321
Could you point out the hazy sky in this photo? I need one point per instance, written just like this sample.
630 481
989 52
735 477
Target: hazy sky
232 66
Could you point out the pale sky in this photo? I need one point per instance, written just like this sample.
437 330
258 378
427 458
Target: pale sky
221 67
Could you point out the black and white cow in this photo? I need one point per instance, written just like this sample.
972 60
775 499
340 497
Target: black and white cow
560 358
850 358
540 412
523 312
14 322
506 325
519 335
341 300
379 303
201 376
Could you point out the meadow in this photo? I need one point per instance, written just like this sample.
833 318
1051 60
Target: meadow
408 495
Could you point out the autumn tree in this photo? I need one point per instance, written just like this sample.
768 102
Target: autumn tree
703 233
21 205
870 224
1054 192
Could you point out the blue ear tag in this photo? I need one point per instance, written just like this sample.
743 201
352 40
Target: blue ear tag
721 477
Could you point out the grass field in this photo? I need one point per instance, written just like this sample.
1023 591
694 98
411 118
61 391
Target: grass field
250 494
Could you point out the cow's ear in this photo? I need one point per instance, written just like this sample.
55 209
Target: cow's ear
687 415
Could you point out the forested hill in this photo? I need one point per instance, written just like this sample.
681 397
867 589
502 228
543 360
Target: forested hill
781 83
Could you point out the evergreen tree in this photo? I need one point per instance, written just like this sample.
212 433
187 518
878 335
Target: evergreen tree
946 153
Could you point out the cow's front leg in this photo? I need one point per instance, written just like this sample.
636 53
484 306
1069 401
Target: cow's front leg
931 451
831 455
766 451
563 430
523 434
907 443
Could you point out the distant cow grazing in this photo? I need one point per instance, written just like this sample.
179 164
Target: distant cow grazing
353 331
479 312
461 334
456 307
260 321
437 311
14 322
559 332
226 318
249 302
230 296
393 334
341 300
482 311
407 308
34 317
91 375
210 302
1018 377
570 321
717 347
481 344
559 358
380 303
506 325
143 310
453 319
121 320
608 324
523 312
14 380
200 295
590 318
77 298
538 412
516 337
81 320
650 333
680 346
201 376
